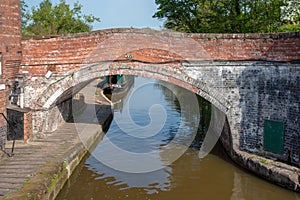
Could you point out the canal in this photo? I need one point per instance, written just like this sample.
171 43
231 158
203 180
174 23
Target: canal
151 151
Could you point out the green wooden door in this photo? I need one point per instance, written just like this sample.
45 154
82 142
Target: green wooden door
274 136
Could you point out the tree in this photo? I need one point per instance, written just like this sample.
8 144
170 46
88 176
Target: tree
223 16
47 19
185 16
24 13
291 16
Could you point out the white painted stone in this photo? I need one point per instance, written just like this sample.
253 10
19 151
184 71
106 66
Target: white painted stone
2 87
52 99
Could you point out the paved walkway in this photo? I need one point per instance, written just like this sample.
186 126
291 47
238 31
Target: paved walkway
30 156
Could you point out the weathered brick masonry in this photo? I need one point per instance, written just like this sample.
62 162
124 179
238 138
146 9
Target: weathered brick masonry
71 51
250 77
10 50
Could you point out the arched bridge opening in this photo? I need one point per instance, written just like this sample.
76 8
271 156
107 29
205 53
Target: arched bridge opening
65 88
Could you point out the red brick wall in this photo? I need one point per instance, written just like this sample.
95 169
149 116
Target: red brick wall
10 48
27 125
62 53
10 37
266 47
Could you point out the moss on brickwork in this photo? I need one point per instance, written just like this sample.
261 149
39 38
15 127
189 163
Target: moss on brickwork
43 184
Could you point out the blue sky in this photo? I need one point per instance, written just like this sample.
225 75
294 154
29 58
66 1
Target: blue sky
117 13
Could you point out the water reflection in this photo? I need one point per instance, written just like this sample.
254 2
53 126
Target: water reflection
154 126
151 182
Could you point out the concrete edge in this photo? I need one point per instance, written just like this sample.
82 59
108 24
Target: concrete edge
270 170
49 179
274 171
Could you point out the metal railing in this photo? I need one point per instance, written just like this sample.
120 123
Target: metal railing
14 138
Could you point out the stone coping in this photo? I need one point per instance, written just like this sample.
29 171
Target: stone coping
276 172
170 33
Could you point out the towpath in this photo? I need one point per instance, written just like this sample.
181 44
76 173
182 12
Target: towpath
66 145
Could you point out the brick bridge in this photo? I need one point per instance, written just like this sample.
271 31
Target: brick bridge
250 77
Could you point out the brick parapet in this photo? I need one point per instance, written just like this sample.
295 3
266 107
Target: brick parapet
69 51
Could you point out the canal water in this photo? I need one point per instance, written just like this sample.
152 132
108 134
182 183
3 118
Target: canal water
142 157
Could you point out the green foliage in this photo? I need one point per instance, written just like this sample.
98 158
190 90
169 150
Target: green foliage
290 16
226 16
24 13
264 161
48 19
289 28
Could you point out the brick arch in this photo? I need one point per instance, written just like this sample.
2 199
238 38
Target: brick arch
69 54
147 46
78 78
66 54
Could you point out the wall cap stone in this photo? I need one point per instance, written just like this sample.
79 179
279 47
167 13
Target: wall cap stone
170 33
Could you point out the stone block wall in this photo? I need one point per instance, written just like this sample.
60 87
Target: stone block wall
47 121
270 93
257 91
